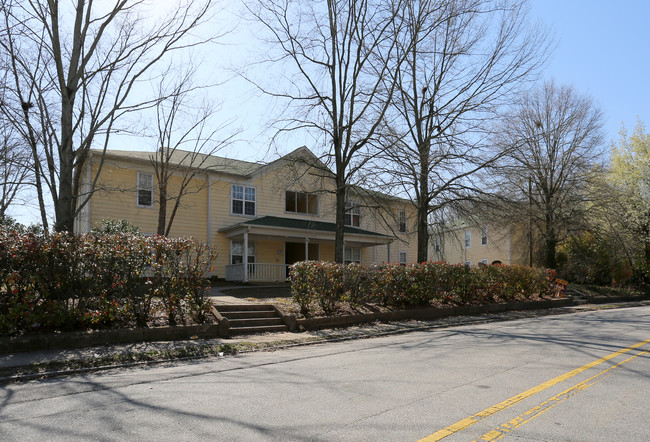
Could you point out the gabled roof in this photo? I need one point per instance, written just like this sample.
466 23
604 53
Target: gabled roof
183 158
247 169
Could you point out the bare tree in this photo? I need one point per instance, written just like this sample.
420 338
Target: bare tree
76 69
14 170
341 53
186 138
553 138
464 59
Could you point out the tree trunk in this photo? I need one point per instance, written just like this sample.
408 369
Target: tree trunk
63 206
339 244
550 243
423 209
162 207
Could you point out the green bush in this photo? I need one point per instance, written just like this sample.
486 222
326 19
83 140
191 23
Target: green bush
328 284
68 282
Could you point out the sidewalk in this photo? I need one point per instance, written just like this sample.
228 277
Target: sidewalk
57 362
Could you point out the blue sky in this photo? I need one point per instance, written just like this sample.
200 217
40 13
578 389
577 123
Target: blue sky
603 49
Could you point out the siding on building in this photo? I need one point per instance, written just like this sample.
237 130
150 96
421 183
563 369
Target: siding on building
207 208
505 243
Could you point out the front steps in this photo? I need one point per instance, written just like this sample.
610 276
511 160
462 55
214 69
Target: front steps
248 319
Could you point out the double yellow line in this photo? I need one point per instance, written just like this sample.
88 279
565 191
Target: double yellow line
469 421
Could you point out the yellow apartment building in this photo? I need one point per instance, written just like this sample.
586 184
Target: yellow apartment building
261 218
471 243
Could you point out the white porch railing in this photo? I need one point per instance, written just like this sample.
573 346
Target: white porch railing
258 272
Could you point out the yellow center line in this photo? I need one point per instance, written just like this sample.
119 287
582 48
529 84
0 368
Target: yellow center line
469 421
538 410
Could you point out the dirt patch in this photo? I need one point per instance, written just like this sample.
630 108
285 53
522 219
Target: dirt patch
259 293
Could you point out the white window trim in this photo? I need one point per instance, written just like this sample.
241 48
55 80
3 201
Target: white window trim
250 244
484 234
347 252
244 186
468 239
468 263
399 258
401 214
485 261
309 195
354 209
137 190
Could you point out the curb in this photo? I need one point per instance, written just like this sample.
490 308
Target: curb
74 340
58 341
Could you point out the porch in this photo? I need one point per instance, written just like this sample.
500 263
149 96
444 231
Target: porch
263 249
262 272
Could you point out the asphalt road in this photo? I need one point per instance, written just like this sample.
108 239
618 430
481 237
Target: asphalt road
576 377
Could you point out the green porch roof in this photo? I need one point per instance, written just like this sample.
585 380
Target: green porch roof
304 224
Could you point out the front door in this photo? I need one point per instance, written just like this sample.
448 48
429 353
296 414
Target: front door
295 251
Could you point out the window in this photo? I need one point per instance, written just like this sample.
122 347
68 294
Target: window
352 254
145 190
402 220
436 245
301 202
468 239
237 252
484 261
243 200
468 263
402 259
484 236
352 214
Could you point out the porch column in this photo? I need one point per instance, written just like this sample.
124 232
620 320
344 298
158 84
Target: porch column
306 249
246 256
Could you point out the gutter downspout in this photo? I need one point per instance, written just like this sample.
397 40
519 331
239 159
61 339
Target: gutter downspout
209 232
89 184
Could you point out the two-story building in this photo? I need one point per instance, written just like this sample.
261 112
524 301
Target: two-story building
471 243
260 217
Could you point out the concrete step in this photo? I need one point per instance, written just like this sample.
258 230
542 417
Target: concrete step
254 322
249 314
247 319
243 307
260 329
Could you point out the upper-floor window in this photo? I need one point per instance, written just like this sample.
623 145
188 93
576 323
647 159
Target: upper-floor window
352 254
301 202
484 236
402 220
436 244
402 258
468 239
352 214
145 190
243 200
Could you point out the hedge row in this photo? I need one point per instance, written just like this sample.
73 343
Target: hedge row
68 282
328 284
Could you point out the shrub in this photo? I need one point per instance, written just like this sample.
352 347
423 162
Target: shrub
109 226
67 282
329 284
